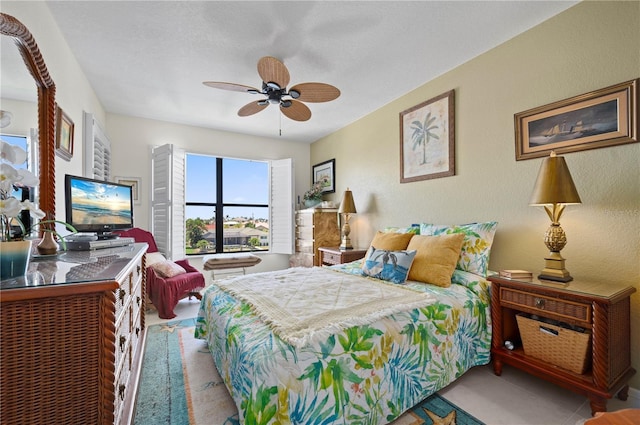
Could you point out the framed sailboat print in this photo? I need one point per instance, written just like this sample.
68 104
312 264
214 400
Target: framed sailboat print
602 118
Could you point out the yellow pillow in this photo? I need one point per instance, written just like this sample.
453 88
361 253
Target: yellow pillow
391 241
436 258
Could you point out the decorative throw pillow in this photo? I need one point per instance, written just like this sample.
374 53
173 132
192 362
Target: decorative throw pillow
154 257
476 247
392 266
168 268
390 241
436 258
414 228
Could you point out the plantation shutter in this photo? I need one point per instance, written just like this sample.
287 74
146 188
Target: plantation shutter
97 150
281 211
167 200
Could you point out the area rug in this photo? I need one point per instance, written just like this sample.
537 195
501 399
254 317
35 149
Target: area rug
180 385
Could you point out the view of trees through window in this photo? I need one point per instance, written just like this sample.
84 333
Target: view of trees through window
226 205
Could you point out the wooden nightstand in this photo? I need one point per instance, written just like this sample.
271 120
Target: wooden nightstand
601 307
333 255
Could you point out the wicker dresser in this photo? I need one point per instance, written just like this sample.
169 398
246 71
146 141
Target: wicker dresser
315 227
72 338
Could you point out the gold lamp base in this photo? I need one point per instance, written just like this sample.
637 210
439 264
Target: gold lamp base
554 268
345 243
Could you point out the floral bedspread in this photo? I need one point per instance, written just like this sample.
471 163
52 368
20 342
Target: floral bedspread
367 374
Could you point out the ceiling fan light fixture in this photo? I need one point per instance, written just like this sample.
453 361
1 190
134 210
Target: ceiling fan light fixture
275 79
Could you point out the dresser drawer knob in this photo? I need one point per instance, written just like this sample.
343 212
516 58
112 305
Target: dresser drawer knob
539 303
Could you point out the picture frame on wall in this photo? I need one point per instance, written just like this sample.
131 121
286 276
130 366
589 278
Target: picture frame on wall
326 169
601 118
64 135
427 139
134 182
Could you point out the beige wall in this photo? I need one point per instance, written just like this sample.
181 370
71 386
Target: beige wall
590 46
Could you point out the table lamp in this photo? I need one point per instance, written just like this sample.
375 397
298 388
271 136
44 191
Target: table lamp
554 189
347 207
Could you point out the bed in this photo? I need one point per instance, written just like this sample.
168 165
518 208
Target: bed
367 367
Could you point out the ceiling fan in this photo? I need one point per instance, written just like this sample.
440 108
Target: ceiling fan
275 78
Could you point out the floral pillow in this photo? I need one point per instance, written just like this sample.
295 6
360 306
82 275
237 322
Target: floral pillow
392 266
168 268
476 246
414 228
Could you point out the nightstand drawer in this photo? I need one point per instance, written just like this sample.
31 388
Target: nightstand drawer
546 306
331 257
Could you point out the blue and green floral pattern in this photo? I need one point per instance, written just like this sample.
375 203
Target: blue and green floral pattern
361 375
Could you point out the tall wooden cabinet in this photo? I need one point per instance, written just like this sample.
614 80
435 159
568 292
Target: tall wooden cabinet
315 227
72 338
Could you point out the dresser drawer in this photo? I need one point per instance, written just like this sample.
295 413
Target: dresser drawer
546 306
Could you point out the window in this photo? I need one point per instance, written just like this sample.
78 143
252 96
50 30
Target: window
226 205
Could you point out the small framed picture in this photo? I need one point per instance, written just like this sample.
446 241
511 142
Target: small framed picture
64 135
327 171
134 182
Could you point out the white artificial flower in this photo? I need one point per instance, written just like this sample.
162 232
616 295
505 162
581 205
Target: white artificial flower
12 153
8 176
33 209
10 207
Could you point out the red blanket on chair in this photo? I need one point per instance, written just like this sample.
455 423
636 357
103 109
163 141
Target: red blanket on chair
166 292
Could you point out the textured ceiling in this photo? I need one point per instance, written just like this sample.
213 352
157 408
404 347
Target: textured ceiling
149 58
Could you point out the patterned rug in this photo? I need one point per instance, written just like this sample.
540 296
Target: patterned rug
180 385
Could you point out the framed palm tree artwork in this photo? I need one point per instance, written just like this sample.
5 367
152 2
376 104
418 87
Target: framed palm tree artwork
427 139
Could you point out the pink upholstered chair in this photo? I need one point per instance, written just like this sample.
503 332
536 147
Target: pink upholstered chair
165 292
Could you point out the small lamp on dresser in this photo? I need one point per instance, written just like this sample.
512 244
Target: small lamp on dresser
554 189
347 207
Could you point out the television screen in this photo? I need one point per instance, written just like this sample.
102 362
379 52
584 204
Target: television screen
98 206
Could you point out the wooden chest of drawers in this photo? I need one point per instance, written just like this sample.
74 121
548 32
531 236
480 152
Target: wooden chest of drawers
314 228
72 349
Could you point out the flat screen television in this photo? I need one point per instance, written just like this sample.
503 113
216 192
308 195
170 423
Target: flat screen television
98 206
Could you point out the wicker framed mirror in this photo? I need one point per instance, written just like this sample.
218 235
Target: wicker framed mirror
26 44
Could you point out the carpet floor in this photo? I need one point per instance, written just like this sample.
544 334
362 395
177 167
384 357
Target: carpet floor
180 385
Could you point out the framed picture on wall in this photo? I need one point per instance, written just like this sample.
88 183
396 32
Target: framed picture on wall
427 139
134 182
598 119
64 135
327 171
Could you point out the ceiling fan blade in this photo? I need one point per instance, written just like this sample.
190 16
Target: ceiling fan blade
271 70
229 86
316 92
251 108
298 111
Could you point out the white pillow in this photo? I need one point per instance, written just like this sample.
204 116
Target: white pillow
154 257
